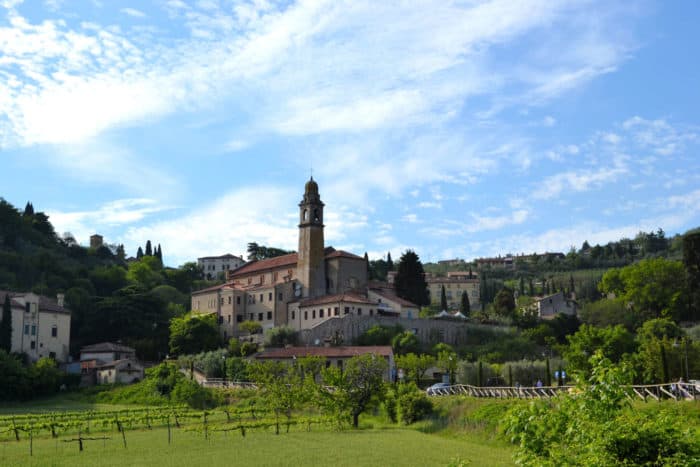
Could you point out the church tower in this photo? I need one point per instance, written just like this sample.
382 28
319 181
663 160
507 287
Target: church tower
311 267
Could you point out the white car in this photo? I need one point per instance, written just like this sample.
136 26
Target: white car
437 389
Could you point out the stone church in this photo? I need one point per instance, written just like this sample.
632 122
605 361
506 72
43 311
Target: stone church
303 289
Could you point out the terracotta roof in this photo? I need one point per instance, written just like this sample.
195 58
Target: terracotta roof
106 347
346 298
114 363
45 303
328 352
265 264
226 256
226 285
343 254
394 298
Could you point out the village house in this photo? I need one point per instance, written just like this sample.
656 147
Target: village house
455 284
550 305
40 325
109 363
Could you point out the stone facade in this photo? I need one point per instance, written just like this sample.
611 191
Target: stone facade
455 283
212 266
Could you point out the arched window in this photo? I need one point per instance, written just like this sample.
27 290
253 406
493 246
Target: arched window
316 216
306 215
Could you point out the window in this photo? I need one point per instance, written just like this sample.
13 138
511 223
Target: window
239 318
306 315
260 316
229 300
32 345
229 318
347 310
262 278
221 320
52 355
274 277
292 314
238 300
359 312
269 315
320 313
261 298
371 312
313 314
33 330
269 297
27 307
336 311
221 301
280 296
54 331
26 329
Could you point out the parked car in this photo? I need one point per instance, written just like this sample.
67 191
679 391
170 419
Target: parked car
437 388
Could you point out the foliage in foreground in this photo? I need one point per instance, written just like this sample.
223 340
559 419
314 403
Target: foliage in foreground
591 428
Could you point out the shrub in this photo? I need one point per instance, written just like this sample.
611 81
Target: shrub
412 403
281 336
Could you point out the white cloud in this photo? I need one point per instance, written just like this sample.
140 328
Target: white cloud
429 205
549 121
577 181
410 218
481 223
133 12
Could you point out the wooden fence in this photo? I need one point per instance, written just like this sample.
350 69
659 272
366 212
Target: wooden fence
673 391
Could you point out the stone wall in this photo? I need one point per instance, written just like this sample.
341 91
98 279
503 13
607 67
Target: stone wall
349 327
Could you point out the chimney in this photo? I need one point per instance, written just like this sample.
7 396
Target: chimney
60 299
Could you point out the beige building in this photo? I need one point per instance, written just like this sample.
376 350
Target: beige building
212 266
109 363
549 306
299 289
40 326
455 284
336 356
119 372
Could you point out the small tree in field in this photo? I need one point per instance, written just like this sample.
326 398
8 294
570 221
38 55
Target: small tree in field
355 388
415 365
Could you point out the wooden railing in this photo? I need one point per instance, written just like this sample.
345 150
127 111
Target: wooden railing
657 392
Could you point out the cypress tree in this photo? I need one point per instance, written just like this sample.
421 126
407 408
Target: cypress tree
389 262
6 325
471 274
548 377
571 283
159 253
522 285
443 298
28 209
465 306
139 253
531 289
149 249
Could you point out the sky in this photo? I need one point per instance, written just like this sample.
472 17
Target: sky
457 129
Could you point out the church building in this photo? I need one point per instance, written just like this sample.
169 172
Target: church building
299 290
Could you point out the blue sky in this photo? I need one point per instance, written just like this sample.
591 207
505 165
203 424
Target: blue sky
457 129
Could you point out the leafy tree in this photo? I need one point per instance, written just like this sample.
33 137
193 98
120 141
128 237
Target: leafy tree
612 342
283 387
193 333
662 348
443 298
142 273
355 388
413 404
691 261
464 305
379 335
414 365
405 342
6 325
650 287
281 336
410 280
251 327
448 361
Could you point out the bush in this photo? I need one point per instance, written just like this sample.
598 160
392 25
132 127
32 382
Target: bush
281 336
412 403
378 335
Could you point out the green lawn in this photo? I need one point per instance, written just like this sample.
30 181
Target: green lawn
368 447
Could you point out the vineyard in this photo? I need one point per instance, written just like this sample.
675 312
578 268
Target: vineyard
87 426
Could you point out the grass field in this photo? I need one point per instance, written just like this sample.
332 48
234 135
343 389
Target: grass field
365 447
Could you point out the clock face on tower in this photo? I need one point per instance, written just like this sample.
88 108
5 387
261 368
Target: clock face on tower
297 289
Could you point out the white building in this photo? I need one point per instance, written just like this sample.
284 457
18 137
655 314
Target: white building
549 306
40 325
213 265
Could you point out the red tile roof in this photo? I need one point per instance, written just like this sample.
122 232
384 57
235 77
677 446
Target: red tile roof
328 352
286 260
394 298
346 298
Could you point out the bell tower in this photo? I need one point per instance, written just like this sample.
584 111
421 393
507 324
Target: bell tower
311 267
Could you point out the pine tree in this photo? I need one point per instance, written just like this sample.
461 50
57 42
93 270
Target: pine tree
6 325
149 249
443 298
464 305
28 209
139 253
389 262
410 279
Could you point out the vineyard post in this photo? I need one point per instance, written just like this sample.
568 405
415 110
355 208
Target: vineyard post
120 428
31 443
14 428
206 432
168 429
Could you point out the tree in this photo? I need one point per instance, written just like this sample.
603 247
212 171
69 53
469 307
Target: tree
405 342
521 289
139 253
612 342
28 210
149 248
283 387
159 253
410 280
651 287
6 325
355 388
464 305
251 327
193 333
414 365
443 299
691 261
389 262
504 303
531 289
447 361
